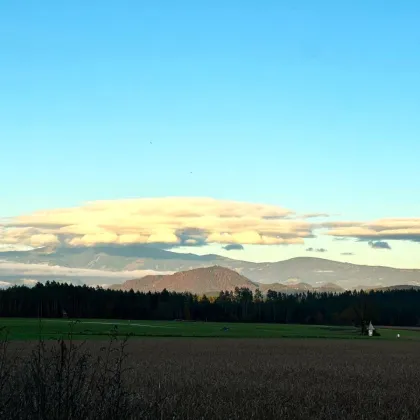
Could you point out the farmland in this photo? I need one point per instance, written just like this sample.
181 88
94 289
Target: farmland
204 370
31 328
213 378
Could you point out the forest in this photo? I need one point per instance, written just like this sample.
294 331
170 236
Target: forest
53 300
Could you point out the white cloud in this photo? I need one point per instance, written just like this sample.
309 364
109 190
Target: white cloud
183 221
29 271
29 282
11 247
391 229
171 220
29 274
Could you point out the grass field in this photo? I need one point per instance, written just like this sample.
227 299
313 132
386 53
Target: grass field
31 329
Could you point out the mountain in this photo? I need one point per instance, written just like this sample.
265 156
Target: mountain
330 287
300 287
401 287
396 287
208 280
112 258
310 270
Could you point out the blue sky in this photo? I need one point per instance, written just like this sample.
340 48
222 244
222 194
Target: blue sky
303 104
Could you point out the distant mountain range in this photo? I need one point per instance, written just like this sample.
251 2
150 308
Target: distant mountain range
315 272
210 281
396 287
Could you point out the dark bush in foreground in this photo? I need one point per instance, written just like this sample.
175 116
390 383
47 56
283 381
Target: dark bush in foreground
63 379
211 379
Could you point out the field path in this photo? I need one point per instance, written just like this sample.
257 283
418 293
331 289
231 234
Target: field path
118 323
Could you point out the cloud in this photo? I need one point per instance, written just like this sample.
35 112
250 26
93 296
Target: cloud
233 247
45 270
379 245
29 282
30 274
172 221
193 237
28 236
316 249
11 247
406 229
18 282
314 215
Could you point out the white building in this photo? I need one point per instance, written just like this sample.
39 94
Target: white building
371 328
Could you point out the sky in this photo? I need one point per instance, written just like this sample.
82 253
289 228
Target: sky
300 105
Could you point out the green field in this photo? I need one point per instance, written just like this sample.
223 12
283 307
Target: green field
30 329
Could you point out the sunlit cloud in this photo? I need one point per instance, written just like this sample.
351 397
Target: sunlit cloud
407 229
175 221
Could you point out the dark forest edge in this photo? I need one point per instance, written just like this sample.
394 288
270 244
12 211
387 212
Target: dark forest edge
52 300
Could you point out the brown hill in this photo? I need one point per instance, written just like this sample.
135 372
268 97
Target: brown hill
299 287
329 287
285 288
212 280
207 280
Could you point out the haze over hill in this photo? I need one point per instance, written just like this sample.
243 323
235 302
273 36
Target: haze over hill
116 263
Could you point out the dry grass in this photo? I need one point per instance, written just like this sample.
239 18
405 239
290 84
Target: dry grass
221 379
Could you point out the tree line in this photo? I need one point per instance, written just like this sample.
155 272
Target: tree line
52 300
